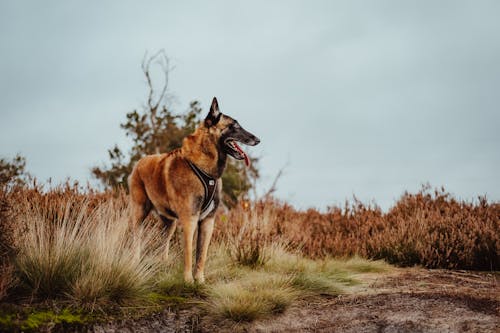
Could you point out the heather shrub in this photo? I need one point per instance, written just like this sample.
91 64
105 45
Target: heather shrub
429 228
435 230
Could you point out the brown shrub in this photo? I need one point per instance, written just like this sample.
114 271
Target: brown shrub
427 228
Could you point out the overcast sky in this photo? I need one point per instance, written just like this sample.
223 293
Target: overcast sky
370 98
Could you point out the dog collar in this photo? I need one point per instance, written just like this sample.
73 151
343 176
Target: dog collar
209 184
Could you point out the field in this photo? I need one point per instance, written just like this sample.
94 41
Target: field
70 261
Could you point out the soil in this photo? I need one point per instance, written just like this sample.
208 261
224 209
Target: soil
405 300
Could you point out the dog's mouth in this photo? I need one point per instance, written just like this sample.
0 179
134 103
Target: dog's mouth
236 151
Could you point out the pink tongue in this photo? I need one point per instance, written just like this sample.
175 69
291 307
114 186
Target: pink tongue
247 160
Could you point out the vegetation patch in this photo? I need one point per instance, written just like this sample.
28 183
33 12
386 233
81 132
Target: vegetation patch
257 295
33 320
77 249
86 255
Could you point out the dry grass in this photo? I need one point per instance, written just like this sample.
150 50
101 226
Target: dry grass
7 279
65 244
250 242
257 294
84 252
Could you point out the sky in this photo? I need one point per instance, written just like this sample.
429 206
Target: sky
364 98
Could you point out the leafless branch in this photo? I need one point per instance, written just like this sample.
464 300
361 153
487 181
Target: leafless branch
162 60
274 187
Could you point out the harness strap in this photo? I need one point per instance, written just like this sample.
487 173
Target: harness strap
209 184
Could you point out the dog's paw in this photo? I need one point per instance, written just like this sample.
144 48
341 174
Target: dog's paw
200 278
188 278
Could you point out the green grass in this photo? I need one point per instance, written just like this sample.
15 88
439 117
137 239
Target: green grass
258 294
35 320
249 294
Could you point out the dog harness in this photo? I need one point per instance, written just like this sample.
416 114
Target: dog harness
210 186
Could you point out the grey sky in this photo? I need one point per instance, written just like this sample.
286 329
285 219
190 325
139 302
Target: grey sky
358 97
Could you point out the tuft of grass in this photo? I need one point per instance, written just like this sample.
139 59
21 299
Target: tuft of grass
249 245
51 252
88 255
170 280
257 295
250 294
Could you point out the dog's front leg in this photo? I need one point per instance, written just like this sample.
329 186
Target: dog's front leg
189 226
205 230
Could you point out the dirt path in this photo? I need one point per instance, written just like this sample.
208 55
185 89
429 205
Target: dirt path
407 300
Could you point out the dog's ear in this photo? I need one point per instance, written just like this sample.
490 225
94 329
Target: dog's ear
214 114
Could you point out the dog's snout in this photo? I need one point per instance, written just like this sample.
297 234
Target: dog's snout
256 140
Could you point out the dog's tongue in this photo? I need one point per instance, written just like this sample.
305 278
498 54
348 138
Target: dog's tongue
247 160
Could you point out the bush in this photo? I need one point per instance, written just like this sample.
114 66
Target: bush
429 228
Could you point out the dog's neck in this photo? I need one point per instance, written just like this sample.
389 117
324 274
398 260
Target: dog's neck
202 148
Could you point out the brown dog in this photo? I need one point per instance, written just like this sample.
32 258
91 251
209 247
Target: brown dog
185 183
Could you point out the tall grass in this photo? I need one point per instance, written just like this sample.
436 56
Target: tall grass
83 253
249 243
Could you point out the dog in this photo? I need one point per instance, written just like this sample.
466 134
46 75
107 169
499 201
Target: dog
184 186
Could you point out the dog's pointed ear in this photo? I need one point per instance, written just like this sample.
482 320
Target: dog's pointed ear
214 114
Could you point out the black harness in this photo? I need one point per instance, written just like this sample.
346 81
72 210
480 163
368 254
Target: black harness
209 184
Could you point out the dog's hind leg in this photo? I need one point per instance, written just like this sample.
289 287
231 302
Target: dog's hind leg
205 229
169 226
140 204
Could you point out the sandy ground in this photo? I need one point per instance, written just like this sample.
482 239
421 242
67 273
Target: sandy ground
406 300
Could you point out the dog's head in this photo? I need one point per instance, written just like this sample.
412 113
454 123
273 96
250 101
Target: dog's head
229 132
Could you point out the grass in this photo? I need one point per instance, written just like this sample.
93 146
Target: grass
75 251
86 255
257 295
251 293
37 319
242 293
